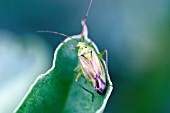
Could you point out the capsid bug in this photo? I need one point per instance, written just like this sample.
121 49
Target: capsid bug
91 64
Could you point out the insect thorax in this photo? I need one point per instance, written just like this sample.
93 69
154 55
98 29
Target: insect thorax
85 51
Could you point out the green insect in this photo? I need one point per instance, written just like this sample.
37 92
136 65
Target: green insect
91 64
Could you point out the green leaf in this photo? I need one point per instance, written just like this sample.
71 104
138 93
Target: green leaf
56 92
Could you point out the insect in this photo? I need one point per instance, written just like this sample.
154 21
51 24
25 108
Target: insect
91 64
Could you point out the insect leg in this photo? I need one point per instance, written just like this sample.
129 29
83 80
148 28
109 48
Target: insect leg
75 69
100 56
102 53
78 76
85 90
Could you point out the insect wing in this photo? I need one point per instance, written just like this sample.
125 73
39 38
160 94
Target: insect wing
87 68
97 64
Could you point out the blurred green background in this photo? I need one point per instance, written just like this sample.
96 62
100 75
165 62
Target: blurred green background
136 34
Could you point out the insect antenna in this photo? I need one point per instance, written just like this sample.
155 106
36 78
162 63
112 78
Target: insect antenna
69 47
84 20
58 33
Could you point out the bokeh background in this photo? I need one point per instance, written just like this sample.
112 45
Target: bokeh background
136 34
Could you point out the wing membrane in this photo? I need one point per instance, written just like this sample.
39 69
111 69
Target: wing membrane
91 67
87 67
96 64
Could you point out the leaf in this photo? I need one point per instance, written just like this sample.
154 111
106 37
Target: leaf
56 92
